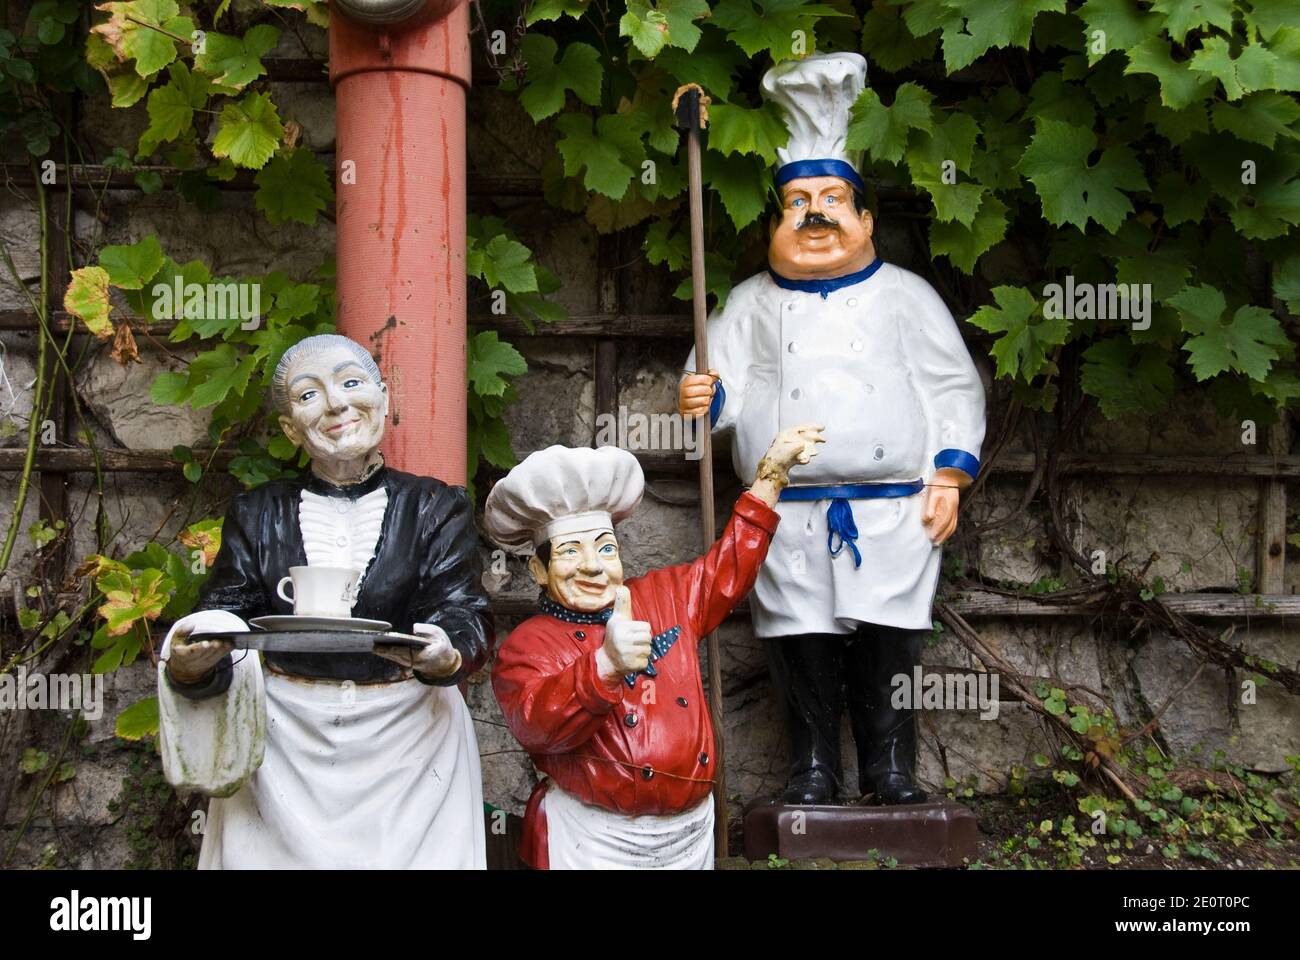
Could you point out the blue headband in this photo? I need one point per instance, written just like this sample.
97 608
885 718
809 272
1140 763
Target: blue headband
819 168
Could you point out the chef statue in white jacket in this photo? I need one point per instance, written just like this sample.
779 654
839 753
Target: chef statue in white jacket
338 759
832 335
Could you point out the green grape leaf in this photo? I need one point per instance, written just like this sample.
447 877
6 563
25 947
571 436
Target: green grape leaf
1177 126
1026 335
131 266
1273 202
145 31
1182 202
531 306
1052 98
889 44
216 373
602 156
883 131
1249 343
87 299
490 362
170 389
540 10
1123 24
494 444
171 107
670 250
717 279
663 24
233 62
783 28
579 70
739 130
1285 44
1269 16
1183 16
138 720
963 243
127 89
1286 281
952 138
1254 69
741 184
508 264
711 64
1056 163
1127 378
295 301
1179 86
293 186
1259 118
974 27
951 141
132 598
248 132
954 201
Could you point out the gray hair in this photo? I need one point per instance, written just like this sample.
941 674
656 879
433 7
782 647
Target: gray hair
310 347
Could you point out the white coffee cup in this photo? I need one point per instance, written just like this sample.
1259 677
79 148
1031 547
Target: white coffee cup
321 591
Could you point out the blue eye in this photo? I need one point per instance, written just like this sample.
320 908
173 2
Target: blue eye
797 202
351 382
607 548
306 395
831 201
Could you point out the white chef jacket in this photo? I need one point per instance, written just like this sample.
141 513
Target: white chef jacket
881 364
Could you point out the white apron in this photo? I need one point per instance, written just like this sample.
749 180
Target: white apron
801 588
325 774
582 837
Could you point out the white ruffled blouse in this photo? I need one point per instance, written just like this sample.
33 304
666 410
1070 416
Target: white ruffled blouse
339 532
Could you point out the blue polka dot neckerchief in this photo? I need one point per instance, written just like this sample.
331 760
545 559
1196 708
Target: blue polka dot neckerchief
660 644
559 612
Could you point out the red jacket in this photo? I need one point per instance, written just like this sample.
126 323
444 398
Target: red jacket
635 750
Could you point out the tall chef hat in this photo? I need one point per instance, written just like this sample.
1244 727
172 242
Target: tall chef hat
562 490
815 96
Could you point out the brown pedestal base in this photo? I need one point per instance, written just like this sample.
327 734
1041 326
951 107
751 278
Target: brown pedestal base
918 835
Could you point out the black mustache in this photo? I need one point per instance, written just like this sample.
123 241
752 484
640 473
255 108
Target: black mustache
817 220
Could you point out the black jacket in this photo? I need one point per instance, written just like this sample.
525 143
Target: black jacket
425 570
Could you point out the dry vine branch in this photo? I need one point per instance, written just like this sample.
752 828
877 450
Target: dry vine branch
1020 687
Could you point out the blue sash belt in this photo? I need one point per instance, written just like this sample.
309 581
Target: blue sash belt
839 515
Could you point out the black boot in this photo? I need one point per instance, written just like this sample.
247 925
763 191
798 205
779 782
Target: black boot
885 736
806 680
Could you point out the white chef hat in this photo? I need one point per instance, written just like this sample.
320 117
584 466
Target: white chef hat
562 490
815 96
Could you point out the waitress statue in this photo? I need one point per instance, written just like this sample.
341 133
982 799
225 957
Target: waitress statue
334 760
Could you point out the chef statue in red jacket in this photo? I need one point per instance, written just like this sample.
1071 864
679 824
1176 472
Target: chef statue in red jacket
602 687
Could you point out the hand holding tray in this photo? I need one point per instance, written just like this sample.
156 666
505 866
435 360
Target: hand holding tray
313 641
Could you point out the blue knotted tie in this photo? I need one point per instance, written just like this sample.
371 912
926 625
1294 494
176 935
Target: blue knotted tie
839 520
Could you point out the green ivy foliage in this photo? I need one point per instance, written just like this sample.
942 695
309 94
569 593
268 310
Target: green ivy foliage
1117 141
203 83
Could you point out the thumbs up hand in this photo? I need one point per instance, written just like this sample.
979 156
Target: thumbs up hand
627 642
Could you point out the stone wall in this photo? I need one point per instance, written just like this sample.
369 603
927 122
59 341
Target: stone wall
1203 529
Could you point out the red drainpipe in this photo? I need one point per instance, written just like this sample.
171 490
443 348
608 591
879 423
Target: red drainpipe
400 90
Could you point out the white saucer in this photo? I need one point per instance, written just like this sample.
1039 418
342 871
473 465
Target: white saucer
292 622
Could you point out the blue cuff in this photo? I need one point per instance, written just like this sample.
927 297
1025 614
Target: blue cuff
959 459
715 405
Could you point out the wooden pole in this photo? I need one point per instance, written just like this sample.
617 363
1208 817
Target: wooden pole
689 104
